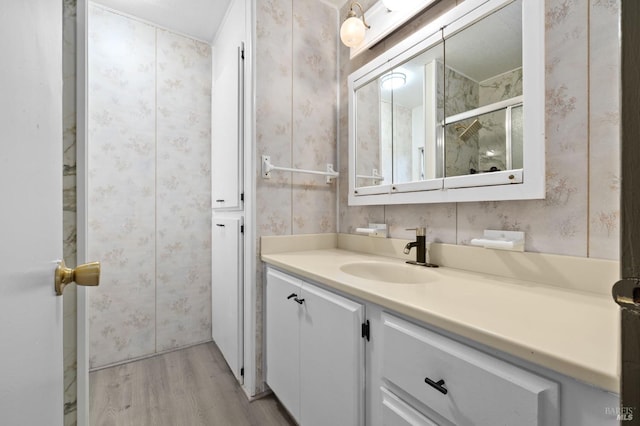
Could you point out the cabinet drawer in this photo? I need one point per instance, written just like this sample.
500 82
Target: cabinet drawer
396 412
468 387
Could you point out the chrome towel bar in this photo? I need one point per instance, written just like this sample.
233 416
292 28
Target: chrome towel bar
267 168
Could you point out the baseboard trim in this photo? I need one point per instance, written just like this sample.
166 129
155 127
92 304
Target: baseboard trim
155 354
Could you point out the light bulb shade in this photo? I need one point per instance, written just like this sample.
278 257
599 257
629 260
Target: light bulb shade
394 5
352 31
393 80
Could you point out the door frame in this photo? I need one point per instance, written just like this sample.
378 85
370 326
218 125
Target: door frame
82 342
250 385
629 206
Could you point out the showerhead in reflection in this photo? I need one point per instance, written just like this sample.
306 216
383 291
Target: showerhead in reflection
469 131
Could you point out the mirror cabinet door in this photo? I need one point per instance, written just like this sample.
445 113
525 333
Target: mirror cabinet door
415 89
397 136
483 95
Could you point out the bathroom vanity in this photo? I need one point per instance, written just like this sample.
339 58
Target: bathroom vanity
438 346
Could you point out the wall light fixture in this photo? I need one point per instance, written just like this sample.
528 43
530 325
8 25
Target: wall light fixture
353 29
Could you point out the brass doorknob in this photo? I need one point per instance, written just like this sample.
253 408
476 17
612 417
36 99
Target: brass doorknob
86 275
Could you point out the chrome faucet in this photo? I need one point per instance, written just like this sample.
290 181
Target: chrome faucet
421 248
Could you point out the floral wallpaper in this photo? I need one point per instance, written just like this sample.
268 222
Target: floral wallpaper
580 214
603 125
296 105
149 188
121 186
183 194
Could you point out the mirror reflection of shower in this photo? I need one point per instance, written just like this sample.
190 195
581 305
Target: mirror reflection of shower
490 141
469 131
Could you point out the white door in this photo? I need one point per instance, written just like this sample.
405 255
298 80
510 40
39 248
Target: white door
31 384
227 290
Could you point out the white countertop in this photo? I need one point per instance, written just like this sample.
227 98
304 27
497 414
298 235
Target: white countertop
570 331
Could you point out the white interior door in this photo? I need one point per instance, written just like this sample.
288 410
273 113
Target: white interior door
31 377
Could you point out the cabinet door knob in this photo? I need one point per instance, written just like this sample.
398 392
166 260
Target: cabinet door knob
300 301
292 295
439 385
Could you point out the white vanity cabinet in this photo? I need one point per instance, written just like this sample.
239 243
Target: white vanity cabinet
459 385
314 351
315 358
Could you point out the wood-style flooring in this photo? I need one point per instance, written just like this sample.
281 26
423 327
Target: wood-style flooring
188 387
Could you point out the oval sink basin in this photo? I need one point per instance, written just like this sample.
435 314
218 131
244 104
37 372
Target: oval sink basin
390 272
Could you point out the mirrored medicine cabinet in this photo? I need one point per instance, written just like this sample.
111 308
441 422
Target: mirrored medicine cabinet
454 112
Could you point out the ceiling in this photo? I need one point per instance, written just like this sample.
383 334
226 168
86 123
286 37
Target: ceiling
195 18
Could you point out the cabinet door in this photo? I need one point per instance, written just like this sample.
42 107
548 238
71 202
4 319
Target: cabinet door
282 324
331 359
227 290
227 111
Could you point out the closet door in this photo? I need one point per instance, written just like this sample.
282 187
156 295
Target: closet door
227 111
227 290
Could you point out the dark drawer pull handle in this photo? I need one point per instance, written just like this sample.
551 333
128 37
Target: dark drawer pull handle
219 201
439 385
220 224
295 297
